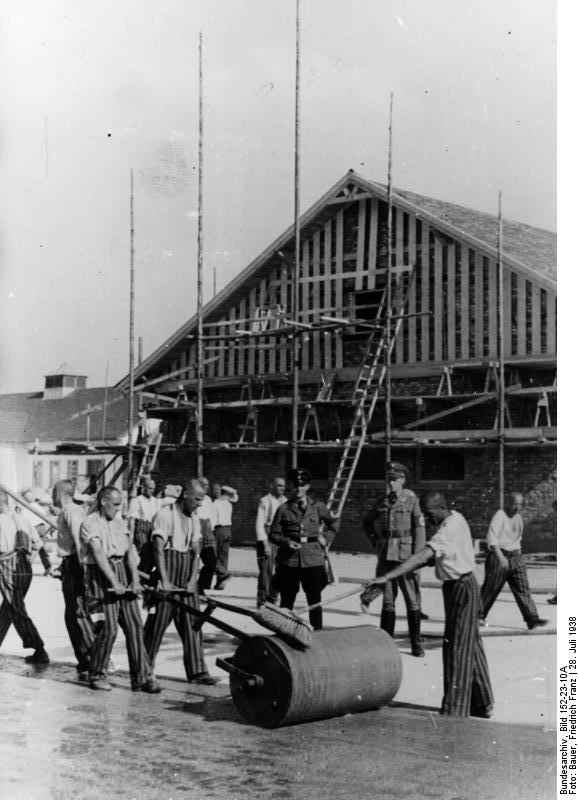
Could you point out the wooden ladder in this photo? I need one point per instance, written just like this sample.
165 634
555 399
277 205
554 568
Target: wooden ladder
149 459
366 391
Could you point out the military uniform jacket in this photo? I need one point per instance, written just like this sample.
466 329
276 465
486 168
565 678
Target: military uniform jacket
396 527
290 523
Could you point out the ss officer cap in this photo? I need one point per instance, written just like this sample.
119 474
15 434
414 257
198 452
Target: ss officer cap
396 470
299 477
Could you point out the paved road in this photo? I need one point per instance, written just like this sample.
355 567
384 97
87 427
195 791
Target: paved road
59 740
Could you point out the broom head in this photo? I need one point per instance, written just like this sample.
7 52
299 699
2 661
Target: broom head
287 625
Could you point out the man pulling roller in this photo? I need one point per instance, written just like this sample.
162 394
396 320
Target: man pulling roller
295 530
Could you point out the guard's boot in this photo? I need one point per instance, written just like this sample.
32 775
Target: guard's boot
388 621
414 631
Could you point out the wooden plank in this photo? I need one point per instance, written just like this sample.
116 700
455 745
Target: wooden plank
507 317
284 287
303 317
521 316
261 305
231 350
252 351
478 305
451 302
399 260
482 398
220 372
464 309
328 338
493 309
315 336
339 282
551 324
360 245
536 320
411 324
425 292
438 315
373 243
241 349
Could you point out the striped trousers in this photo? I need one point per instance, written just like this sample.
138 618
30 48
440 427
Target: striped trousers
15 579
76 617
467 685
222 542
179 567
108 612
515 574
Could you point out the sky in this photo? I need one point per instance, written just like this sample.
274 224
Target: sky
90 91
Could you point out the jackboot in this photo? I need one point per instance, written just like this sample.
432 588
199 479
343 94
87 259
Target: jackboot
414 631
388 621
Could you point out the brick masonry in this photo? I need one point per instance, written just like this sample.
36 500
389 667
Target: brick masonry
529 470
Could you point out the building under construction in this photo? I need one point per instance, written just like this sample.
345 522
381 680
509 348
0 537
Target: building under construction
440 375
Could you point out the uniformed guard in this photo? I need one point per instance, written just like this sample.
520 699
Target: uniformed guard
395 527
295 530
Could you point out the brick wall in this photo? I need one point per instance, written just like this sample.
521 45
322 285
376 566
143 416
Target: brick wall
529 470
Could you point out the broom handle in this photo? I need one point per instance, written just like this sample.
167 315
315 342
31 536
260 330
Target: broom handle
22 502
335 599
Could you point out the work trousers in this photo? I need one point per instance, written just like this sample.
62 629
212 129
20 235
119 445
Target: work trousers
179 567
76 617
313 581
267 590
15 579
108 612
467 685
222 541
208 559
515 574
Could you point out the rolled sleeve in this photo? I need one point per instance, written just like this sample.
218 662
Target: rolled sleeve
90 533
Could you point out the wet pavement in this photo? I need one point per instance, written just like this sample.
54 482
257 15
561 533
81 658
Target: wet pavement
59 740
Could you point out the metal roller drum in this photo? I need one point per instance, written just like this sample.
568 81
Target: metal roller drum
344 671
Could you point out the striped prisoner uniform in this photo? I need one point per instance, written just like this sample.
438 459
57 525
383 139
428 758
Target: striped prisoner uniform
506 533
107 610
181 536
467 686
16 541
222 514
78 623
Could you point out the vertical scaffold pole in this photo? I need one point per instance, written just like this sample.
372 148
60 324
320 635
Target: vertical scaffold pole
200 272
501 354
388 302
131 414
296 282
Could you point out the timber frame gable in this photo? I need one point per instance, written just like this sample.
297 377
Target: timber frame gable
452 299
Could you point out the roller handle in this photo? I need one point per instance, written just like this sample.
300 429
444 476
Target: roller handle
201 615
335 599
251 680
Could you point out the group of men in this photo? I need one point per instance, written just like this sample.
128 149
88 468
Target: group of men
105 555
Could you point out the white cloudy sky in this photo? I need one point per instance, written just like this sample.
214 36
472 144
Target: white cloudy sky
90 90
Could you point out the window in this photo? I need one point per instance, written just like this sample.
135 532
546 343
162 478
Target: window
72 471
53 473
37 474
94 467
441 464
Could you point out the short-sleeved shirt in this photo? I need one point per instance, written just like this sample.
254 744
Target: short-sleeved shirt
70 520
222 511
113 535
452 546
266 509
143 508
12 526
178 531
505 532
205 510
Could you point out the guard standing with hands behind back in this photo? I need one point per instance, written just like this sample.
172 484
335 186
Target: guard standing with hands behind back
301 555
395 527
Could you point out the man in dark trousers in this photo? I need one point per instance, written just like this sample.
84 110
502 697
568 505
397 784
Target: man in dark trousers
467 686
176 545
295 530
76 617
504 563
395 527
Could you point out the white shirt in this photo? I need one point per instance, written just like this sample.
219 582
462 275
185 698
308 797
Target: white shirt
144 508
266 509
452 546
205 510
505 532
222 511
177 530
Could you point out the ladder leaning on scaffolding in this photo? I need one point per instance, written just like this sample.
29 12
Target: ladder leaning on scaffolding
366 391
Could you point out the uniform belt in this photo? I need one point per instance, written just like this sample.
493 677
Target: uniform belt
303 539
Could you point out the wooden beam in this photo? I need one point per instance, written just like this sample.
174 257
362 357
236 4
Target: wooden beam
425 292
521 316
412 324
478 305
447 412
338 279
438 315
327 362
360 245
493 309
451 302
536 319
373 243
551 323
